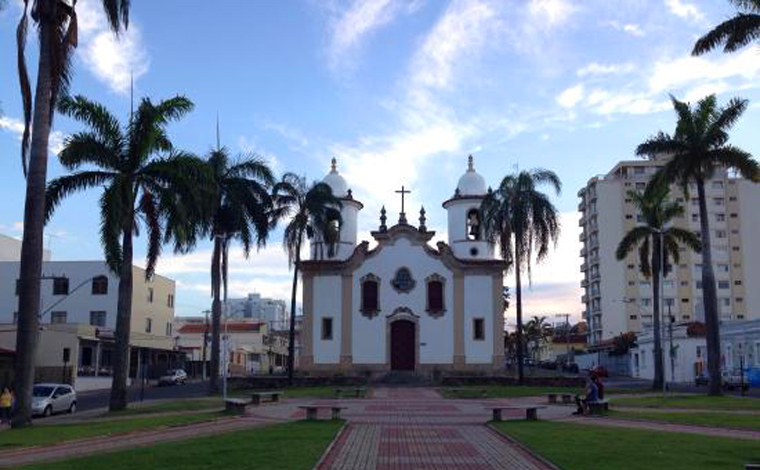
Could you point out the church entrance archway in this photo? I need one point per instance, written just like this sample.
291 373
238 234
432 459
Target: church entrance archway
403 345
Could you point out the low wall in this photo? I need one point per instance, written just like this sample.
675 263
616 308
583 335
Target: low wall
84 383
496 380
276 382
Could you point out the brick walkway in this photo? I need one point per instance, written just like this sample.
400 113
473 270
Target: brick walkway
414 429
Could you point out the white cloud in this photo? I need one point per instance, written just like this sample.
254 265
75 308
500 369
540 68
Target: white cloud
685 9
595 68
551 12
16 126
463 29
109 57
354 24
687 70
250 145
631 28
571 96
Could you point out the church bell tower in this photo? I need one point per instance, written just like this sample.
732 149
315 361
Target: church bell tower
349 213
466 235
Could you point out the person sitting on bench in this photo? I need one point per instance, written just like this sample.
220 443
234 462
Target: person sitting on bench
592 395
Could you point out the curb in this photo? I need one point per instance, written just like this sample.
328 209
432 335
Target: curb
329 449
523 448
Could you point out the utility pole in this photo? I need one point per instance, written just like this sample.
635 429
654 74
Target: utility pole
671 349
205 342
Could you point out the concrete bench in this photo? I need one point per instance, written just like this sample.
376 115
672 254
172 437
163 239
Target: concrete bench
258 397
311 411
598 407
235 405
552 397
752 466
531 412
357 392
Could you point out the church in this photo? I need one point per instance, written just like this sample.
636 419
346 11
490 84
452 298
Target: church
405 305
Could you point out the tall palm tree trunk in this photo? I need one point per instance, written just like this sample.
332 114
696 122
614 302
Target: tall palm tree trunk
121 357
216 315
292 329
518 299
30 269
709 296
658 369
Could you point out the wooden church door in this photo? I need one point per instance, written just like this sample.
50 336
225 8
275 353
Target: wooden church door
402 345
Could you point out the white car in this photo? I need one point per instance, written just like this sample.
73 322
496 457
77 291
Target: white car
48 399
173 377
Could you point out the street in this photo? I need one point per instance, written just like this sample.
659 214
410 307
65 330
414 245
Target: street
99 398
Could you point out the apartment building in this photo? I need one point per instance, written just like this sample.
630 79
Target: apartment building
256 307
618 298
78 318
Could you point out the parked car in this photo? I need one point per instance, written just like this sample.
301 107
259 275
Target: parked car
173 377
50 398
733 380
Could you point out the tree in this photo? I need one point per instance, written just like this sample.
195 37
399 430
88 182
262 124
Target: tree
523 220
656 239
314 211
735 33
537 330
56 22
696 151
239 209
139 188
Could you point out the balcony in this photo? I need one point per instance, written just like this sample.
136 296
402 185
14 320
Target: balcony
582 221
594 275
582 206
583 252
582 236
584 283
584 267
584 299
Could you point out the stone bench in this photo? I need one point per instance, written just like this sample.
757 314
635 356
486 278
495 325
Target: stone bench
311 411
357 392
258 397
568 398
752 466
235 405
531 412
598 407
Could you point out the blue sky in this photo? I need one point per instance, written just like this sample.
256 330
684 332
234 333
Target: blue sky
400 92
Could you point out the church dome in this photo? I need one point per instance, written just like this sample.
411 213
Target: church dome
336 181
471 183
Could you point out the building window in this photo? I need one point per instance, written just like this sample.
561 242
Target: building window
473 224
148 325
641 186
735 248
98 318
58 317
684 283
686 317
435 294
61 286
685 300
478 329
734 215
725 301
370 295
695 217
737 282
719 201
723 284
645 302
720 234
732 198
634 317
327 328
717 184
631 266
168 329
739 300
403 281
99 285
150 294
722 268
720 217
699 284
170 301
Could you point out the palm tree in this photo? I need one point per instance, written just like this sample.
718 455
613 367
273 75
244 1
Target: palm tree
537 330
698 148
735 33
523 220
656 240
56 23
240 209
314 212
139 187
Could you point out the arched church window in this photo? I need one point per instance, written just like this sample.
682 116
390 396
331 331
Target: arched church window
473 224
435 304
403 281
370 295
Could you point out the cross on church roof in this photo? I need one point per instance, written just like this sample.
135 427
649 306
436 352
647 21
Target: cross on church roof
402 216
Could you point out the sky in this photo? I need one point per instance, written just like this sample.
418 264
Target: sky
400 92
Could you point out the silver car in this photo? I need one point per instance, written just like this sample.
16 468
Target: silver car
173 377
53 398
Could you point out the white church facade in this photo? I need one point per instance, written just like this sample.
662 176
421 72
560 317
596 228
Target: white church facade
405 305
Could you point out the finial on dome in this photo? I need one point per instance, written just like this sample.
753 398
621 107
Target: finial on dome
470 164
334 164
423 228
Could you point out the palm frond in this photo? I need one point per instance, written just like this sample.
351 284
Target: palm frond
732 34
26 89
60 188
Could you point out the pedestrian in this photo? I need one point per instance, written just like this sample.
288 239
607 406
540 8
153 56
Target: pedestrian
592 395
6 404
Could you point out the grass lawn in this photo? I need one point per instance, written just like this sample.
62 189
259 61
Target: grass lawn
189 404
585 447
48 434
717 420
297 445
697 402
503 391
